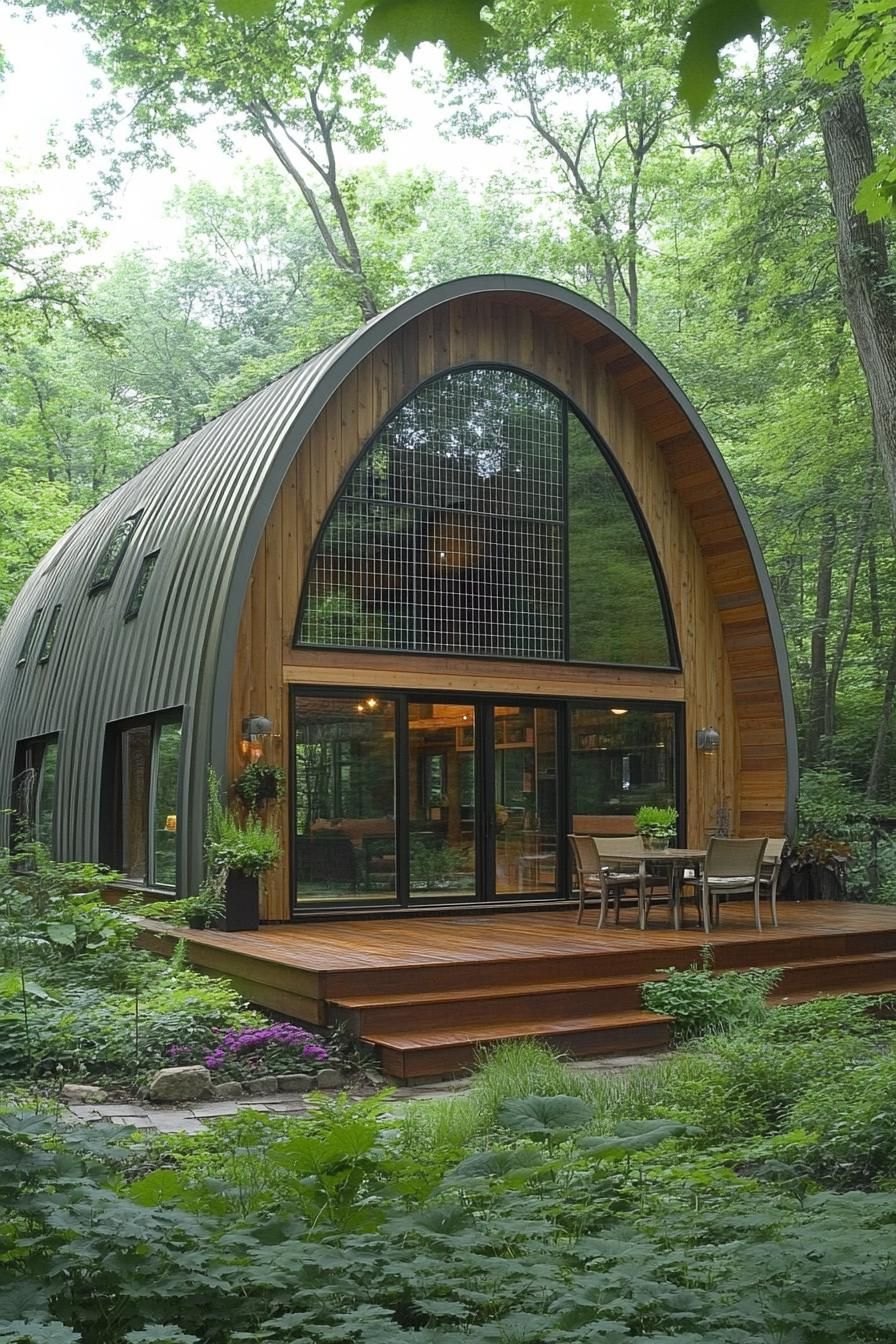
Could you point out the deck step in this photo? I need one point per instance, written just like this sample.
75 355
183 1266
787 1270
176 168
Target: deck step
623 960
510 1002
444 1050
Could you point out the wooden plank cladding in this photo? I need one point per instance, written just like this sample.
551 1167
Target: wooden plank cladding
729 677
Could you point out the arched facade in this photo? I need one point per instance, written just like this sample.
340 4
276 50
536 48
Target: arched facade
437 557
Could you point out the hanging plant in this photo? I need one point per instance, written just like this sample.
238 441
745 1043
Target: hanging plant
259 784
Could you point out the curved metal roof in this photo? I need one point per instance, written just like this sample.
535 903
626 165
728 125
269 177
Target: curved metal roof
205 503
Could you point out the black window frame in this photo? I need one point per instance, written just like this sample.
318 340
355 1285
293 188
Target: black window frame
24 759
484 702
28 642
141 583
99 584
112 811
49 638
674 663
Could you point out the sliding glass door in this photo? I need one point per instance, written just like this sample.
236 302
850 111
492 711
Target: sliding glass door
414 800
444 839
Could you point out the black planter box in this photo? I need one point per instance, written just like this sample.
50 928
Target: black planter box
240 904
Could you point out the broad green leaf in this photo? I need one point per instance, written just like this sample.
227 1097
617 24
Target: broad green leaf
62 934
407 23
544 1115
500 1162
877 192
716 23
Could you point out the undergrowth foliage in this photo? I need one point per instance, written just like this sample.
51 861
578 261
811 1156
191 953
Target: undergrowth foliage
701 1000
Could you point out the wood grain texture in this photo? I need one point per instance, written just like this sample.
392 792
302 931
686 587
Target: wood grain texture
729 677
425 991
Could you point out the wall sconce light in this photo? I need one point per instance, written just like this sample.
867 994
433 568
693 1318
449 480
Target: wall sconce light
254 728
708 740
618 711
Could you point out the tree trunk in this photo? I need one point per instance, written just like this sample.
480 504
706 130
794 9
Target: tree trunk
863 266
878 760
818 663
858 551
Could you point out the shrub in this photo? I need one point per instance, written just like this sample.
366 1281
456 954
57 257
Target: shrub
850 1116
702 1001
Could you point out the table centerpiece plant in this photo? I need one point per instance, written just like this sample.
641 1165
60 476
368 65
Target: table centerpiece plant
657 826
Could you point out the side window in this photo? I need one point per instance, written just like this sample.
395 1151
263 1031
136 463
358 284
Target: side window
33 801
143 760
113 552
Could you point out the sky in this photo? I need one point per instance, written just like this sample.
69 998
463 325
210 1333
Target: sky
49 89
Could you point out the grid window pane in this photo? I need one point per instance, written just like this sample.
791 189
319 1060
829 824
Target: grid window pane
481 520
449 534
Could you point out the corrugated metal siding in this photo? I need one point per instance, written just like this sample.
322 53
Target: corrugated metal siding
205 503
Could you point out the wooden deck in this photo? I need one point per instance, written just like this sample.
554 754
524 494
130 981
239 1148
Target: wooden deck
426 991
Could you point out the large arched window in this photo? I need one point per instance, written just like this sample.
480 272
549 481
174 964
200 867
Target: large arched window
485 520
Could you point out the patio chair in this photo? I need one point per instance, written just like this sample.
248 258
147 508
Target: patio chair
731 867
595 878
771 872
656 885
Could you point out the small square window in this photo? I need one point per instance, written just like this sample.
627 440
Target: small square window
113 552
50 636
139 588
29 638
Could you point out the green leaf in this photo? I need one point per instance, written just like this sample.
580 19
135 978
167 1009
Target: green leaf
62 934
11 985
249 10
544 1115
716 23
501 1162
404 24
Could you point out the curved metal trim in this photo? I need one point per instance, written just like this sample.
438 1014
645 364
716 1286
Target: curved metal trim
349 356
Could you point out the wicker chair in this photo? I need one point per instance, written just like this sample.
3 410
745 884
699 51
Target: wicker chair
595 879
657 887
771 873
731 867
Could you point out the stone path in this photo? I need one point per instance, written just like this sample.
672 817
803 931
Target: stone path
191 1119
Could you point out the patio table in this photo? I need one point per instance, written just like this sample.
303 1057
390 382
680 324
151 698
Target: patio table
677 859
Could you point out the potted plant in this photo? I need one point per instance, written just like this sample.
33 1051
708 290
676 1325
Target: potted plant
817 867
236 853
207 906
258 784
657 826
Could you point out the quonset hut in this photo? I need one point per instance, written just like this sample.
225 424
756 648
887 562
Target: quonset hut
475 576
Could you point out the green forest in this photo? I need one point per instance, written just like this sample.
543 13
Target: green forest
720 221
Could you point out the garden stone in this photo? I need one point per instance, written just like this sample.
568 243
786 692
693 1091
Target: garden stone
191 1082
328 1078
261 1087
82 1094
295 1082
227 1091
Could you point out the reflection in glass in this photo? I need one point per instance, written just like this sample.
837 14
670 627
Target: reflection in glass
618 764
165 835
345 841
449 534
525 799
615 610
113 552
45 796
442 775
136 767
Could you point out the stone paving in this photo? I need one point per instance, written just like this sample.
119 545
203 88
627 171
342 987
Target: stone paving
191 1118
